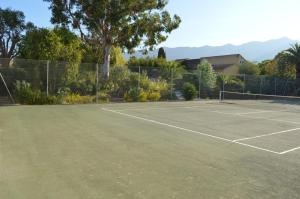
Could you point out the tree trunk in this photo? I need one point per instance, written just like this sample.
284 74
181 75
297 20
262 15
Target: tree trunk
106 64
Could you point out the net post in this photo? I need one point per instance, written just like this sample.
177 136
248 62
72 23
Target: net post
220 96
47 71
97 82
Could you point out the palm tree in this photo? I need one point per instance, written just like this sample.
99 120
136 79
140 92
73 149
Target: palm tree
294 57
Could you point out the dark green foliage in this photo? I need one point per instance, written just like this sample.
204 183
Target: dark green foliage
268 67
294 57
161 53
189 91
133 94
249 68
26 95
285 69
58 44
12 26
280 66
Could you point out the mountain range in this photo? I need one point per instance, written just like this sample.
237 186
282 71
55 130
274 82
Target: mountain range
252 51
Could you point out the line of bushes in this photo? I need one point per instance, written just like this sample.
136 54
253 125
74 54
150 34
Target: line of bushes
25 94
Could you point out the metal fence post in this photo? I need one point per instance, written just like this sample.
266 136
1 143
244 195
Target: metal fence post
275 86
244 86
139 84
172 84
223 85
48 62
260 85
199 82
97 82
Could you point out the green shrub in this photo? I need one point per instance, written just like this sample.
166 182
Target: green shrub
143 96
189 91
132 95
83 87
103 97
26 95
64 91
117 84
77 99
154 96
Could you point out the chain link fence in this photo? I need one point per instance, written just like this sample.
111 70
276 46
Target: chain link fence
127 83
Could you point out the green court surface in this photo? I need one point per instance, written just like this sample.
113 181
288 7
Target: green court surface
150 150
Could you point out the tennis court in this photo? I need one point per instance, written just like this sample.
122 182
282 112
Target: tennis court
200 149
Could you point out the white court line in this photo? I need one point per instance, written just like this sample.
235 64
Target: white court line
248 113
165 124
265 135
156 108
255 147
188 130
224 113
270 119
291 150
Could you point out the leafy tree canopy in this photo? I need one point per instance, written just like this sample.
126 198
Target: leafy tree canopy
280 66
94 54
268 67
293 56
57 44
249 68
123 23
285 68
12 27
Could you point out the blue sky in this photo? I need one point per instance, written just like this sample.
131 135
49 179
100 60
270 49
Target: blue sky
207 22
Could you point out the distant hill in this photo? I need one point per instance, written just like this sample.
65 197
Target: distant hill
253 51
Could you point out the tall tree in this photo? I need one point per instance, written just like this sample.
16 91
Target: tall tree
12 26
294 57
206 74
249 68
161 53
285 69
123 23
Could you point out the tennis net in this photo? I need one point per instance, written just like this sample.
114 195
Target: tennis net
260 101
